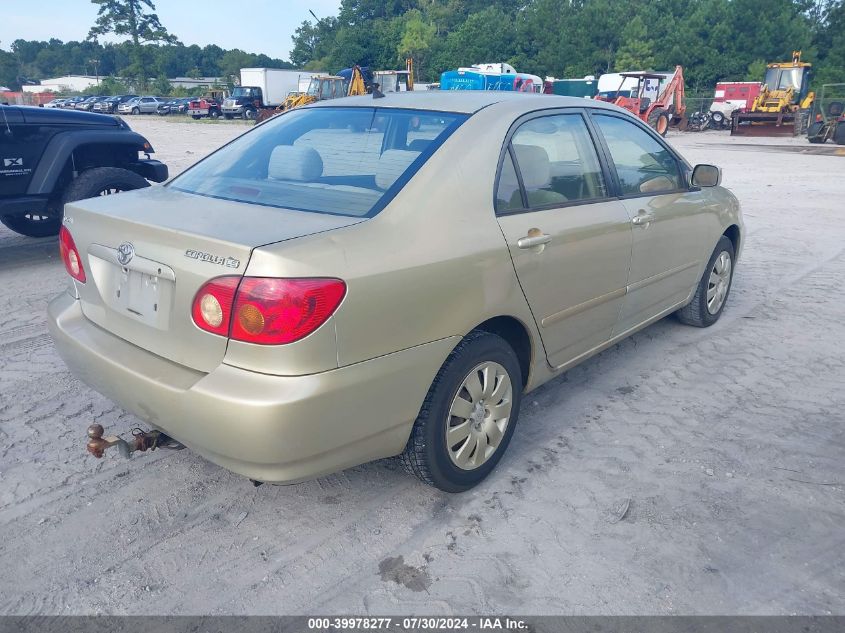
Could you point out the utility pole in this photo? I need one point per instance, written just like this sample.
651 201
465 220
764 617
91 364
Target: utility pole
96 63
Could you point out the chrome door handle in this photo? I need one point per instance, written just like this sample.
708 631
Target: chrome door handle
642 219
534 240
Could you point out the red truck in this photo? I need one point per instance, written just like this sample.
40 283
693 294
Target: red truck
208 105
730 96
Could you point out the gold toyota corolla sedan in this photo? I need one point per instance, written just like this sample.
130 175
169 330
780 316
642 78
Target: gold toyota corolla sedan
364 278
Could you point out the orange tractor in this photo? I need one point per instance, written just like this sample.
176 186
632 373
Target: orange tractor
659 106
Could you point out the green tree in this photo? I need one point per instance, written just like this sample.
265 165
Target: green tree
416 41
135 19
8 70
232 62
636 52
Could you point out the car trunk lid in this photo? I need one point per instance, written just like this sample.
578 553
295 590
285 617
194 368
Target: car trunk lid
147 252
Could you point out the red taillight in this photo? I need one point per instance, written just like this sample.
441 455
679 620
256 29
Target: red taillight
212 308
265 310
276 311
70 255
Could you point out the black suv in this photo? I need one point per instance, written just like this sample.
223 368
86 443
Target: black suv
49 157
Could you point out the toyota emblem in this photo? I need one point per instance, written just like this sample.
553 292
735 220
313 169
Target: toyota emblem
125 253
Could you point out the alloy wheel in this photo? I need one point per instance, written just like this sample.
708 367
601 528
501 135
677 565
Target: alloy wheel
719 282
479 415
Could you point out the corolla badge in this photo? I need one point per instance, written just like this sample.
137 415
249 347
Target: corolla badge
125 253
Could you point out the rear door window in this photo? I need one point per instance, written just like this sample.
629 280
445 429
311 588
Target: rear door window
508 194
557 161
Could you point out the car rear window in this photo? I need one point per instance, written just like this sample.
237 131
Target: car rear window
337 160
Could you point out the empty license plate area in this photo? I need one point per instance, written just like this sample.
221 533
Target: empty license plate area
142 295
142 290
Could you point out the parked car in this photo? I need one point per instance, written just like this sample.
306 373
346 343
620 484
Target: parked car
50 157
88 103
322 292
173 106
139 105
102 105
54 103
71 102
109 106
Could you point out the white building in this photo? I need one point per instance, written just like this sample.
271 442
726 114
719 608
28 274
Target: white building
68 83
194 82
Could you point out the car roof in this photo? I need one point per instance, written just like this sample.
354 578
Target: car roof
462 101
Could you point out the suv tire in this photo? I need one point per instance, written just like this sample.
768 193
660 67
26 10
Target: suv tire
102 181
428 455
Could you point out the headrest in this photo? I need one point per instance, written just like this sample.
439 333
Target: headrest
392 164
419 144
289 162
534 166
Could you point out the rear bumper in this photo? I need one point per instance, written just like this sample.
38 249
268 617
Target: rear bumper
25 204
279 429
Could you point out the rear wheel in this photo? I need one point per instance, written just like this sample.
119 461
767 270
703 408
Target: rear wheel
213 114
33 224
712 291
468 417
659 120
815 133
103 181
839 133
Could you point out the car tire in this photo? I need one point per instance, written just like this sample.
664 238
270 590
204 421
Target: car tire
718 119
815 133
33 224
711 293
659 121
213 114
136 111
102 181
427 454
250 114
839 133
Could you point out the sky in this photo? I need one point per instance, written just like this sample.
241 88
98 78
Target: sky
255 26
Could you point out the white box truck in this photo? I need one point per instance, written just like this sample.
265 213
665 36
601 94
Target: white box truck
263 88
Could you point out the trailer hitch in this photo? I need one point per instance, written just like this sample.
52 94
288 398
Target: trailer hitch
141 441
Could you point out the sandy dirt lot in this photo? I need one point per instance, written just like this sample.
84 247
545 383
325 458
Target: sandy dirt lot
682 471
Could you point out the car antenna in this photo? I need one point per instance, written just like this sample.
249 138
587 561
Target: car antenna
377 94
8 131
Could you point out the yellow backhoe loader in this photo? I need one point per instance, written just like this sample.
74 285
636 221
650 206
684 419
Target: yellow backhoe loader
321 88
784 102
396 80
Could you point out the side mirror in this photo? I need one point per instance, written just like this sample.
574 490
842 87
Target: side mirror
706 176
